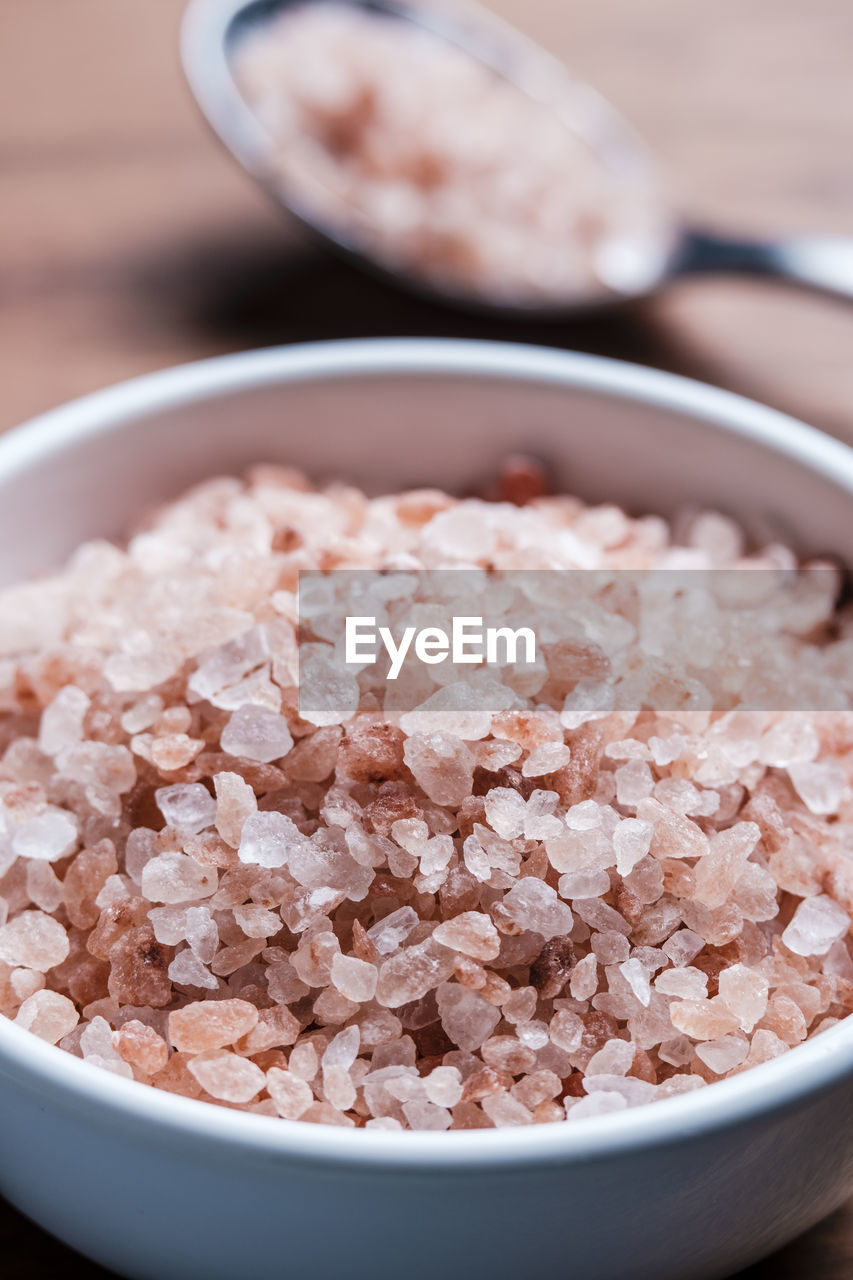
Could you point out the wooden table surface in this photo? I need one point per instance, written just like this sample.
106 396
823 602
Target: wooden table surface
130 242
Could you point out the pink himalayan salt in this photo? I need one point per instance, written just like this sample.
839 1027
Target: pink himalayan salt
267 839
365 116
50 835
745 992
590 882
372 873
34 940
254 921
820 784
356 979
719 870
422 1114
186 970
275 1028
256 733
443 1086
534 905
467 1018
49 1015
442 765
723 1055
634 782
504 1110
702 1019
686 983
305 1061
62 720
683 946
566 1030
45 889
190 807
226 1076
173 751
211 1024
392 930
173 877
584 980
291 1095
673 835
613 1058
505 812
472 933
235 802
546 758
412 972
816 924
338 1088
637 978
631 841
141 1047
631 1089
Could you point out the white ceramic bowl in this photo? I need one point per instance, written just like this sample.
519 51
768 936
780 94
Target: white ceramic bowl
156 1186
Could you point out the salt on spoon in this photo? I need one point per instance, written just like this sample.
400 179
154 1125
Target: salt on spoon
615 239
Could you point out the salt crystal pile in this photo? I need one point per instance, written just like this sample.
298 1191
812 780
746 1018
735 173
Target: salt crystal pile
395 921
402 143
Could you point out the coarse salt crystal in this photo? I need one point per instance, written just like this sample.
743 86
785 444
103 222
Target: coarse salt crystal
724 1054
62 720
815 925
268 839
187 806
226 1076
355 979
819 784
534 905
472 933
34 940
50 836
173 877
256 733
211 1024
49 1015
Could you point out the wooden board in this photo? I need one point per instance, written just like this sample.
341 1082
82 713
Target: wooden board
131 242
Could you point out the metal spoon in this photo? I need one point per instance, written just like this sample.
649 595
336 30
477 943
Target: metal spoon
212 30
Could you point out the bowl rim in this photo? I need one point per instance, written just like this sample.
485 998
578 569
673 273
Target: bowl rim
806 1070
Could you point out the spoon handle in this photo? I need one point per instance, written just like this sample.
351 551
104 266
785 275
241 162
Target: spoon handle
823 263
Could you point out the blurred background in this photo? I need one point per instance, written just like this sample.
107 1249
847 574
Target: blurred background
131 241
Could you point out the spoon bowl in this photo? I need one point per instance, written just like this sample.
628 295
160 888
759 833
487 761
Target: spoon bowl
632 268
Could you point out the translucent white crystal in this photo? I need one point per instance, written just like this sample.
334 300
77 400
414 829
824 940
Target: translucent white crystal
505 812
631 842
188 971
534 905
356 979
392 930
472 933
815 925
173 877
820 784
467 1018
50 835
724 1054
34 940
269 839
256 733
186 806
49 1015
62 720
